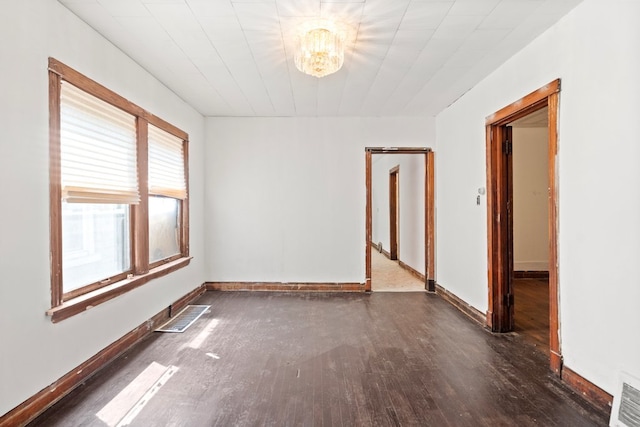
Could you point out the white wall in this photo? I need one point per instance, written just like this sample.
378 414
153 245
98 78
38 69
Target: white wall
380 222
286 196
594 50
35 352
530 199
411 219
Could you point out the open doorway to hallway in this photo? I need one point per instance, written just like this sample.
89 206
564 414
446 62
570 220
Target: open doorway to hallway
500 145
530 275
398 223
399 211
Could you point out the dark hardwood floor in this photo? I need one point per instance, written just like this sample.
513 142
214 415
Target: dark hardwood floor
531 308
314 359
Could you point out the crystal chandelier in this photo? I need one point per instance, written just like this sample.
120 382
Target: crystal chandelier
319 49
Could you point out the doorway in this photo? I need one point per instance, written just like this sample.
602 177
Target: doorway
530 183
500 214
394 206
426 156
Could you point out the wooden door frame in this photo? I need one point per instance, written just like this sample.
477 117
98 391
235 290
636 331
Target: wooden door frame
429 209
507 138
497 229
394 208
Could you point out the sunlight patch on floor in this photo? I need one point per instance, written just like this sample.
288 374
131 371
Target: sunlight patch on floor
123 408
203 335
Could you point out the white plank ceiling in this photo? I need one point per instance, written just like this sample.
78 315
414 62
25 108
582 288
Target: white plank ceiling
405 58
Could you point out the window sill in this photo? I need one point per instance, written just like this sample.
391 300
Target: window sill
94 298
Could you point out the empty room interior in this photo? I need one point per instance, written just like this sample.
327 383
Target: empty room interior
376 212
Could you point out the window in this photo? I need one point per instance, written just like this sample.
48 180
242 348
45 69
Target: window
166 188
118 190
95 244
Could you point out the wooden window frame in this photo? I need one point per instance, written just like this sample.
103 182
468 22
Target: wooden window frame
65 305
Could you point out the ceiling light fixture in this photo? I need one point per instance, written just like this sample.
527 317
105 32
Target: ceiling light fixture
319 48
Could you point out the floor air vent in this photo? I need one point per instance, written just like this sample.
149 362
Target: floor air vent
626 403
181 321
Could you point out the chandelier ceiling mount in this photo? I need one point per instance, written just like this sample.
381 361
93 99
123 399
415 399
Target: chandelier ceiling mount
319 49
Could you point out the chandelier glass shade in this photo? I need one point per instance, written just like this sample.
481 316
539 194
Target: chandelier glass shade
319 50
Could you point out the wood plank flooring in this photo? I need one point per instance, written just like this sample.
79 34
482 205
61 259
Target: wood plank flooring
315 359
531 308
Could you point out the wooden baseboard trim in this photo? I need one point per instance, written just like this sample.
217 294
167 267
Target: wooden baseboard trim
177 306
374 247
28 410
285 287
555 363
588 390
461 305
412 271
530 274
431 285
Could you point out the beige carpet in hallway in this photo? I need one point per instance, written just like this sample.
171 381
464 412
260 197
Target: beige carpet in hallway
388 276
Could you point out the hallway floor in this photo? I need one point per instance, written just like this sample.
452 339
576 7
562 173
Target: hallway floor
317 359
531 311
388 276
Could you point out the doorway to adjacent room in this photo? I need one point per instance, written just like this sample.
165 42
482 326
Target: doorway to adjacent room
502 312
387 267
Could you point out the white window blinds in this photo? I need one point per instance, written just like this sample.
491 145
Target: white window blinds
166 164
97 149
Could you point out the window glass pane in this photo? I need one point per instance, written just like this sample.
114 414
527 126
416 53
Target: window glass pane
164 239
95 243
